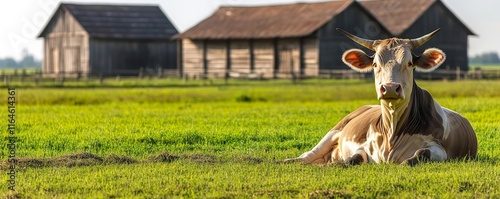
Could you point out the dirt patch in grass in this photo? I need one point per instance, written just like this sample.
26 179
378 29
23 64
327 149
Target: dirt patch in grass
89 159
163 157
117 159
328 194
251 160
71 160
202 158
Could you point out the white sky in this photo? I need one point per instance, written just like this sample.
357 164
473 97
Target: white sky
22 20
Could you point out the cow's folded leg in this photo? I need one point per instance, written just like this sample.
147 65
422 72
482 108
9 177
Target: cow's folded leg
321 153
421 155
433 152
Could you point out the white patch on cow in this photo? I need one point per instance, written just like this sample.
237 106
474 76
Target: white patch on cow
349 148
437 152
378 151
443 112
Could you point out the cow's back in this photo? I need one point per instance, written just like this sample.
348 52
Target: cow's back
355 126
461 141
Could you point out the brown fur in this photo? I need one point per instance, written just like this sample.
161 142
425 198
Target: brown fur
462 141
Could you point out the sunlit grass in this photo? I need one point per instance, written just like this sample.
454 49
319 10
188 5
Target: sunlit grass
243 131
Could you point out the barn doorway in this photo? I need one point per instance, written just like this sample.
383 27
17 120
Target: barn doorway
289 63
286 61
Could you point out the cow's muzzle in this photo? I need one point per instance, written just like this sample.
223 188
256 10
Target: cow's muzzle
390 91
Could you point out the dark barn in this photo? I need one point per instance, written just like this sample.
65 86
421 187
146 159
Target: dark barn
411 19
274 41
107 40
300 39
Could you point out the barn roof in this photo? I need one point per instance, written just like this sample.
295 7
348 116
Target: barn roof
397 15
276 21
119 21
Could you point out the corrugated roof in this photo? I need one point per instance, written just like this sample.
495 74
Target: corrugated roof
121 21
399 15
277 21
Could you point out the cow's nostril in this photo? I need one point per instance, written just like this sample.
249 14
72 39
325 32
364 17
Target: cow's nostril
383 89
399 89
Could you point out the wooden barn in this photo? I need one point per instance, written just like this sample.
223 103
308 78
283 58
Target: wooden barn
85 40
275 41
300 39
411 19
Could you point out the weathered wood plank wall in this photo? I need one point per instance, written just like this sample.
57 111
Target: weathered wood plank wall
66 47
255 57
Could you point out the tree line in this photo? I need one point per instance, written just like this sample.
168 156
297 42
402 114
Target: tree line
27 61
485 58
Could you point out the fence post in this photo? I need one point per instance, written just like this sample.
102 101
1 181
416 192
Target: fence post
141 72
118 79
101 79
160 72
458 73
78 76
226 77
6 79
36 79
23 75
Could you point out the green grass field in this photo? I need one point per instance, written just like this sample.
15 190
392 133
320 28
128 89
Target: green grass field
486 66
200 140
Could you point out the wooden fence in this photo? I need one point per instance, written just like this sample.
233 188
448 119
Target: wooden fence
36 76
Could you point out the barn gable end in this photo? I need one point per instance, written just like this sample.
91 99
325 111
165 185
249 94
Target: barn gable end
107 40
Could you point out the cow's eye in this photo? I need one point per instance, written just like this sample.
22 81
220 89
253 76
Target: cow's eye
410 64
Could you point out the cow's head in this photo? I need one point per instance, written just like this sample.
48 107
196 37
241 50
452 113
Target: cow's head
393 63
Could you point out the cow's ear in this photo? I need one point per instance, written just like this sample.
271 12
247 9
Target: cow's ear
358 60
429 60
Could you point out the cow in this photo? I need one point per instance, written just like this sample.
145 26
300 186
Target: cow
409 126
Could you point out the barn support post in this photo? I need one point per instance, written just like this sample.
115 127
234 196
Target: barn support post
301 57
252 55
180 58
293 72
228 60
205 61
276 58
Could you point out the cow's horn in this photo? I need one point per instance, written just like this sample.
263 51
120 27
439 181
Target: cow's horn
364 42
421 41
